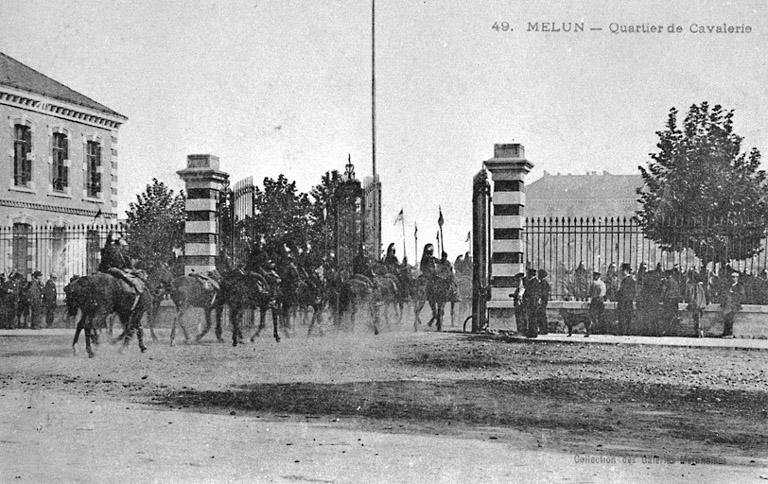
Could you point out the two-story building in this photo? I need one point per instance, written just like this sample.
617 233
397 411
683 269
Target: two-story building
58 166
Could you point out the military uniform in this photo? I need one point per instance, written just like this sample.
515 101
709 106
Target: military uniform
49 299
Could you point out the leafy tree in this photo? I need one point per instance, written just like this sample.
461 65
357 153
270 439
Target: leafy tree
701 192
155 224
282 215
324 212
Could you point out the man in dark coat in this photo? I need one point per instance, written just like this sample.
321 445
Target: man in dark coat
597 293
35 297
732 304
626 298
49 300
541 310
530 302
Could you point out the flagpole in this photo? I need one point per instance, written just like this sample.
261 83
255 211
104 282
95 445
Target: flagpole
402 222
442 239
415 243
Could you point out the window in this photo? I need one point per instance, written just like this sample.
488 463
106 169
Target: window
22 164
93 163
59 171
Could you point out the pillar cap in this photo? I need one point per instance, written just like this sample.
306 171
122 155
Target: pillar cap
508 157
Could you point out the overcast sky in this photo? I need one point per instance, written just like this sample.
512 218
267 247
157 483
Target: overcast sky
284 87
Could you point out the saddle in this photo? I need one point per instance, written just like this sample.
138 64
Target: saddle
132 279
208 283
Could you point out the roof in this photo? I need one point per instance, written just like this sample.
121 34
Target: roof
15 74
587 195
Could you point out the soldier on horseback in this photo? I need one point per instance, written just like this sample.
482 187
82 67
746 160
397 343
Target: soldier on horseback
390 260
428 265
116 262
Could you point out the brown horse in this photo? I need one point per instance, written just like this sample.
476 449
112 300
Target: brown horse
192 291
99 295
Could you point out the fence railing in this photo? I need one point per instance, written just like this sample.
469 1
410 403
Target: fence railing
568 248
62 251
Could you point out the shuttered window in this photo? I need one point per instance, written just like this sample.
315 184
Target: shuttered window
22 147
59 170
93 163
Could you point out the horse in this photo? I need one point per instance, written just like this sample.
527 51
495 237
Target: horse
192 291
436 291
159 284
373 293
247 290
101 294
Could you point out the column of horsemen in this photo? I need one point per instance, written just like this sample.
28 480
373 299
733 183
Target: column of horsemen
280 279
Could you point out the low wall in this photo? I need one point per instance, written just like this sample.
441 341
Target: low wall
750 322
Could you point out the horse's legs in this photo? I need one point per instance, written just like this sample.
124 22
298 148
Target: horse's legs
262 322
440 314
184 328
77 333
234 320
218 330
275 324
180 310
207 310
152 317
87 331
140 332
374 311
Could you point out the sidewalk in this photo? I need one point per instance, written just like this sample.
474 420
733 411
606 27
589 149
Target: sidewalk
677 341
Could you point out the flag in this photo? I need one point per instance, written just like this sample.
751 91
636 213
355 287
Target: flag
98 214
415 230
469 236
440 219
399 217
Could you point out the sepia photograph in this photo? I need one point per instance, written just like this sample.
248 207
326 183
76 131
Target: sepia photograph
345 241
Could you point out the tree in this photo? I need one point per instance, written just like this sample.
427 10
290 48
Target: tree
701 192
282 215
324 212
155 224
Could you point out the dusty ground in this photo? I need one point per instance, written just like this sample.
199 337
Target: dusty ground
394 407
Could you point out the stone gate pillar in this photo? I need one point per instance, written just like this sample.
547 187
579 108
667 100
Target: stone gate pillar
204 182
508 168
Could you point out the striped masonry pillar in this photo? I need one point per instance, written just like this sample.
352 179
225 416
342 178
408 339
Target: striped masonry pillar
204 182
508 168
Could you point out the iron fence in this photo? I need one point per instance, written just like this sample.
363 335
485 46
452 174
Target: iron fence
570 248
62 251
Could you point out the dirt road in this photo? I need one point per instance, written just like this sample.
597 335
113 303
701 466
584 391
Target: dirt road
397 407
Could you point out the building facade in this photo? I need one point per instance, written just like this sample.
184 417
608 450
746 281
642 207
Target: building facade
59 152
58 160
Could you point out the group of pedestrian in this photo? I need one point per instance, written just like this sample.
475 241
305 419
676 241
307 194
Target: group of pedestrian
27 304
531 298
658 294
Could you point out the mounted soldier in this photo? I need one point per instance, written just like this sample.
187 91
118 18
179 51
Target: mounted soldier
390 260
116 262
428 264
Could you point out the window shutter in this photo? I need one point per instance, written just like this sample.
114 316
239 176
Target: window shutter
97 183
64 176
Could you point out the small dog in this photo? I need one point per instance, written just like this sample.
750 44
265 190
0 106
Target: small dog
572 319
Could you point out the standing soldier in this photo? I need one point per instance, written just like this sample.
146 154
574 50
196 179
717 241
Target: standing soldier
49 300
530 303
596 301
544 291
35 295
626 299
732 304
